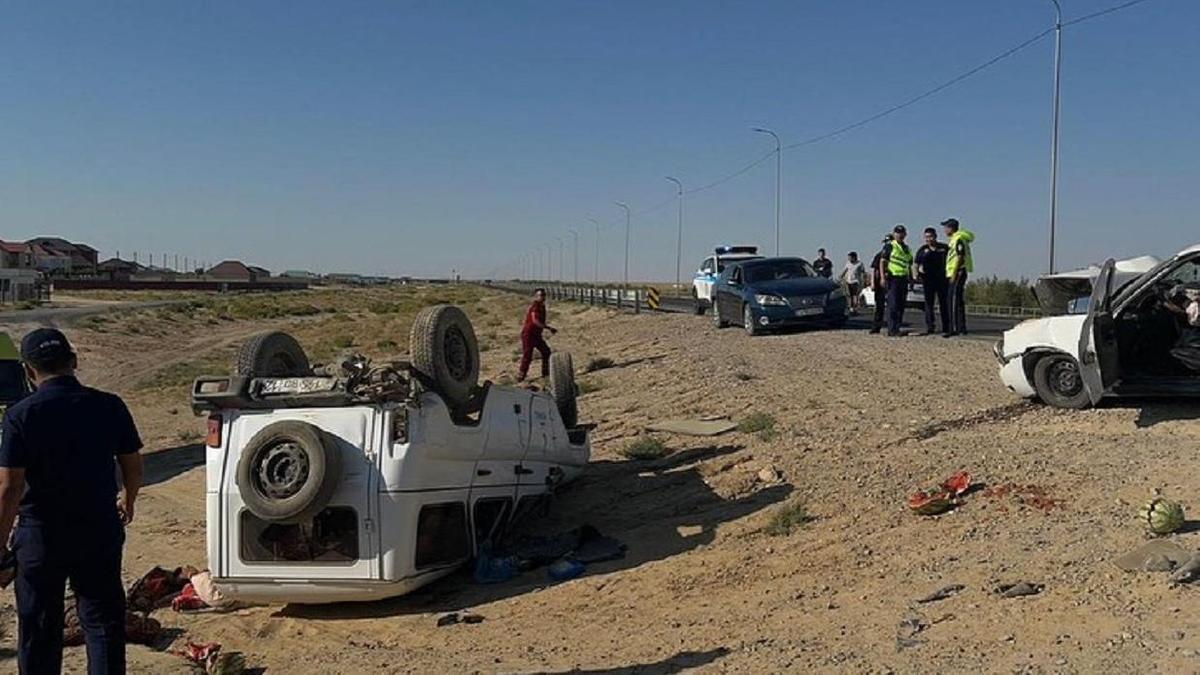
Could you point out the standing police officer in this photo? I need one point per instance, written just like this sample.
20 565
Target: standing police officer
931 270
58 457
958 263
895 264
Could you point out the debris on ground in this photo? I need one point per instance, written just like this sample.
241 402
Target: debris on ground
693 427
565 569
936 500
1019 589
1162 516
156 588
942 593
1034 496
1188 571
770 475
907 631
202 595
1155 556
214 661
459 617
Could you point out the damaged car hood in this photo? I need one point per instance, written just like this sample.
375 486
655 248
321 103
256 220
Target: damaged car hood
1053 332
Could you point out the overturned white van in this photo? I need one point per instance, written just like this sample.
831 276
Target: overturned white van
371 481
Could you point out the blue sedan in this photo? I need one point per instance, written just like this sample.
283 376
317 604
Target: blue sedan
777 293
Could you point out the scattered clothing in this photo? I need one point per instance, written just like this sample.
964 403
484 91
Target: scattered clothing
155 589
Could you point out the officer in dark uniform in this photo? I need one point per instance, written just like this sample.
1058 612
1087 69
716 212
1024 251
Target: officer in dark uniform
879 285
58 459
931 270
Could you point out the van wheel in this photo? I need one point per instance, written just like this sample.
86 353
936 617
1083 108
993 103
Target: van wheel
562 388
444 350
699 307
288 472
274 354
1058 382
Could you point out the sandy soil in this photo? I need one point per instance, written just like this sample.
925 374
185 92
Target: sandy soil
861 422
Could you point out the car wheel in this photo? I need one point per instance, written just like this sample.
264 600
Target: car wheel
273 354
716 315
288 472
698 304
748 321
444 351
563 389
1058 382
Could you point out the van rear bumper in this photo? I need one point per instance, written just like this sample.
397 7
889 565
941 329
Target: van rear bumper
322 591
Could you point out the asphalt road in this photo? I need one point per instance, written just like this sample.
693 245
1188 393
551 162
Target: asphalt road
52 316
981 327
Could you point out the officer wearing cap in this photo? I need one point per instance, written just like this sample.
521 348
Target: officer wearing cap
895 265
879 284
60 448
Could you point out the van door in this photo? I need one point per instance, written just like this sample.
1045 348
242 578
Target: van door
1099 363
494 483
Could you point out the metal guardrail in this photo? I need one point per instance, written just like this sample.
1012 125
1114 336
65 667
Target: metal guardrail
636 300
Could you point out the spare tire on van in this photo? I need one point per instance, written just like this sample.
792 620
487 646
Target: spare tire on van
288 472
272 354
563 389
444 351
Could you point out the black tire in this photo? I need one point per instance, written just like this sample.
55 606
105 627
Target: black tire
562 388
1058 383
699 307
273 354
288 472
718 322
444 351
752 328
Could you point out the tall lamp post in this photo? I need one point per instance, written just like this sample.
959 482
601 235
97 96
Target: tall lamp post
562 274
625 276
575 253
1054 136
679 234
596 252
778 179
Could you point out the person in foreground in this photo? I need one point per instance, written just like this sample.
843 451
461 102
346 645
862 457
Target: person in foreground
531 336
58 458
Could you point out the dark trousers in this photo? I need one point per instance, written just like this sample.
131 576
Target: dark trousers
880 294
530 342
897 295
937 293
958 304
46 559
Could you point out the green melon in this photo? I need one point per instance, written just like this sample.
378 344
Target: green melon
1161 516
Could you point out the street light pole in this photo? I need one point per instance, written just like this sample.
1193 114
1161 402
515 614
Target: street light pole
625 277
679 234
778 179
1054 136
575 263
562 274
596 264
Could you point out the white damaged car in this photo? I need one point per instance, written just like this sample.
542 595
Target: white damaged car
1134 339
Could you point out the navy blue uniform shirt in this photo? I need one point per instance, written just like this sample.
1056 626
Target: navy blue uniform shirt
932 260
67 436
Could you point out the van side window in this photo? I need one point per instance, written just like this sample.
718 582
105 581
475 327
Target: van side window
442 535
490 518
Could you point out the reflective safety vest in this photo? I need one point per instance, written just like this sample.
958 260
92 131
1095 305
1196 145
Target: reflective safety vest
953 261
900 262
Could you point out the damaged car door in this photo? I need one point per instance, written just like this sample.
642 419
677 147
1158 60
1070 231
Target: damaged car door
1099 362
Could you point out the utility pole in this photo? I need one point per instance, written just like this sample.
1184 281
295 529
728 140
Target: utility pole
628 217
596 264
575 263
562 275
1054 135
679 235
778 180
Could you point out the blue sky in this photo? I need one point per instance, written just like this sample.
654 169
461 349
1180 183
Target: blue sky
417 137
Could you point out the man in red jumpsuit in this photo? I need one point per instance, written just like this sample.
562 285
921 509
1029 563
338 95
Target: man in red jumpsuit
531 335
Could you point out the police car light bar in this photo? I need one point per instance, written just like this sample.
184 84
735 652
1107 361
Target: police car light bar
753 250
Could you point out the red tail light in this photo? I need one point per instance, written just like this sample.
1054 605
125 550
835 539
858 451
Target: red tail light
213 439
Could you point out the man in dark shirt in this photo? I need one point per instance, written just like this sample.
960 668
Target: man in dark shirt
931 271
58 458
823 265
531 335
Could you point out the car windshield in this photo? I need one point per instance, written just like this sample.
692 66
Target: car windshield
778 270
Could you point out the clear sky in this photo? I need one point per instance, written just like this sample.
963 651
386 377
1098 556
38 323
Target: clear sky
416 137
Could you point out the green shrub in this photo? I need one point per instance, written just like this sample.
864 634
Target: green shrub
645 447
589 385
756 422
599 363
343 342
787 518
1000 292
387 344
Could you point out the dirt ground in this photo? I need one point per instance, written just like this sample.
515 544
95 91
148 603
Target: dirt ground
860 422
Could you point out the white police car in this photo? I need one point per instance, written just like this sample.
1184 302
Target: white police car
711 268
